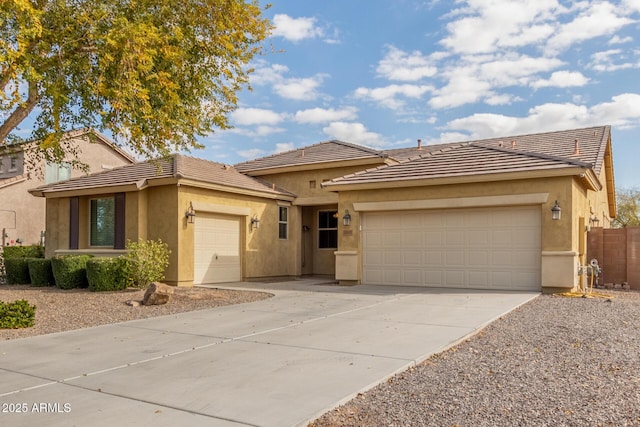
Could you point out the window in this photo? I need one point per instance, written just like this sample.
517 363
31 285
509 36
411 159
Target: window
55 172
14 163
327 229
102 222
1 165
283 223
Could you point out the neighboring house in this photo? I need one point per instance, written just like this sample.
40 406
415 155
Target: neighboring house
22 217
474 215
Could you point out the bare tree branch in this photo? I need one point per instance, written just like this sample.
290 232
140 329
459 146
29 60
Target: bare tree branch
20 113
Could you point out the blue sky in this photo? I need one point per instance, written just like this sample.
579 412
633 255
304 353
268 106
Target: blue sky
386 73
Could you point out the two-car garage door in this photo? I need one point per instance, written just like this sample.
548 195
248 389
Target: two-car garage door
484 248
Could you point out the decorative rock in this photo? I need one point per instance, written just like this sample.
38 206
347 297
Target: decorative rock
133 303
617 286
157 294
608 285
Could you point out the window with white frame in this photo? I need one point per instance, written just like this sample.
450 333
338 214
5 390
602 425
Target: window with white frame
13 163
55 172
102 222
327 229
283 223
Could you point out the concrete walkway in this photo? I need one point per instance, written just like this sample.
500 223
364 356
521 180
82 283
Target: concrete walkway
278 362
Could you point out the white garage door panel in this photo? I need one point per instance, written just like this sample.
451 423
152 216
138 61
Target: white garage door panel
485 248
216 249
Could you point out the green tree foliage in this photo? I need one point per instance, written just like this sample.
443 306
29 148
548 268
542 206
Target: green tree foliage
155 73
627 201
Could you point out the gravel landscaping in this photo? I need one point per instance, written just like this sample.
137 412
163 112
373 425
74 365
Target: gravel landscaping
62 310
556 361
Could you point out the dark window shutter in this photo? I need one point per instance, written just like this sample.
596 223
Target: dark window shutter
74 219
119 220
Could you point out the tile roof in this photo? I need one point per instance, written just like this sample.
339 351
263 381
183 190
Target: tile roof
6 182
177 166
545 151
323 152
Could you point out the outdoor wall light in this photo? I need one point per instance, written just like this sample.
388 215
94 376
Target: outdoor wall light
190 214
594 220
556 212
255 222
346 219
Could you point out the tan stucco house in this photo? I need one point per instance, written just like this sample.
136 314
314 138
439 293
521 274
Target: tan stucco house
22 217
474 214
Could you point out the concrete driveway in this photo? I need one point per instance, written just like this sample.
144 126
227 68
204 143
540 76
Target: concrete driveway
277 362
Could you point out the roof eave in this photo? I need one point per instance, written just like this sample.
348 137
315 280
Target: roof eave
315 165
236 190
86 191
464 179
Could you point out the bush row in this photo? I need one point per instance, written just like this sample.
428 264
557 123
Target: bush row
144 263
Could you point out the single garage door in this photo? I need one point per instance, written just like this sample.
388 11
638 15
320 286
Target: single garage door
216 249
484 248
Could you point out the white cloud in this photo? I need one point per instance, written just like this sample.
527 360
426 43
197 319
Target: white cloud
255 116
251 153
267 73
632 5
356 133
474 79
387 96
302 89
267 130
622 112
463 87
485 26
281 147
514 69
562 79
403 66
620 40
324 115
599 19
295 29
612 60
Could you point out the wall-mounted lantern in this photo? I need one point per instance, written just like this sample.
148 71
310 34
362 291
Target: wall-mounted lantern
594 220
255 223
556 212
190 214
346 219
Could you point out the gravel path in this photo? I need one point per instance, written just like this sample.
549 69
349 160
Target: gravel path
62 310
555 361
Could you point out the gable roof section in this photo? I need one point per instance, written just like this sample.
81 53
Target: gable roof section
311 157
92 135
196 172
546 153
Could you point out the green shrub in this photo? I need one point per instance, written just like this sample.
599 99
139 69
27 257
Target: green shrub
146 262
106 274
17 271
7 252
40 272
33 251
18 314
70 271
